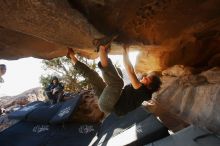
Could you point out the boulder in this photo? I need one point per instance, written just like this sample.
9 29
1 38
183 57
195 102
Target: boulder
193 99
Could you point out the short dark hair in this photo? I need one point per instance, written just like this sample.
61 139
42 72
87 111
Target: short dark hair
54 78
154 86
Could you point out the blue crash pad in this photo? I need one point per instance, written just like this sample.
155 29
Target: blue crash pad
46 127
46 113
22 113
35 134
136 128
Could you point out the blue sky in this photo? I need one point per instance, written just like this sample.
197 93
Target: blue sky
24 74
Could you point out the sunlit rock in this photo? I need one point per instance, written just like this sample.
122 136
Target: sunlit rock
193 99
178 70
165 32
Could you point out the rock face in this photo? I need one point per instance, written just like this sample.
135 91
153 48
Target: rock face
43 24
88 110
192 98
167 32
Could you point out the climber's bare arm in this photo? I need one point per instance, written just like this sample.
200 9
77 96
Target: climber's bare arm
130 70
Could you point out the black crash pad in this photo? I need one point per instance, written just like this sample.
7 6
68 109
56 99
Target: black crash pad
35 134
22 113
190 136
47 113
137 127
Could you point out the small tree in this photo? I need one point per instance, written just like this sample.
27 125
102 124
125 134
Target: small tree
64 70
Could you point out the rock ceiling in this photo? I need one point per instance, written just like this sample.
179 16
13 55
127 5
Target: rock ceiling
166 32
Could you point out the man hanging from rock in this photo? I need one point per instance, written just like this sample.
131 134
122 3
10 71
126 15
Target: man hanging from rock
112 96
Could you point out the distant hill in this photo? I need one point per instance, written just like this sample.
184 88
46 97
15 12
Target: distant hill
23 98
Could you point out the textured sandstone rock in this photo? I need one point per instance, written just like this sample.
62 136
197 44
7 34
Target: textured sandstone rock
88 110
188 50
169 119
178 70
53 24
165 31
147 21
194 99
212 75
14 45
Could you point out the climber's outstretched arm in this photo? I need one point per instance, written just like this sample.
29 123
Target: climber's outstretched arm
130 70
